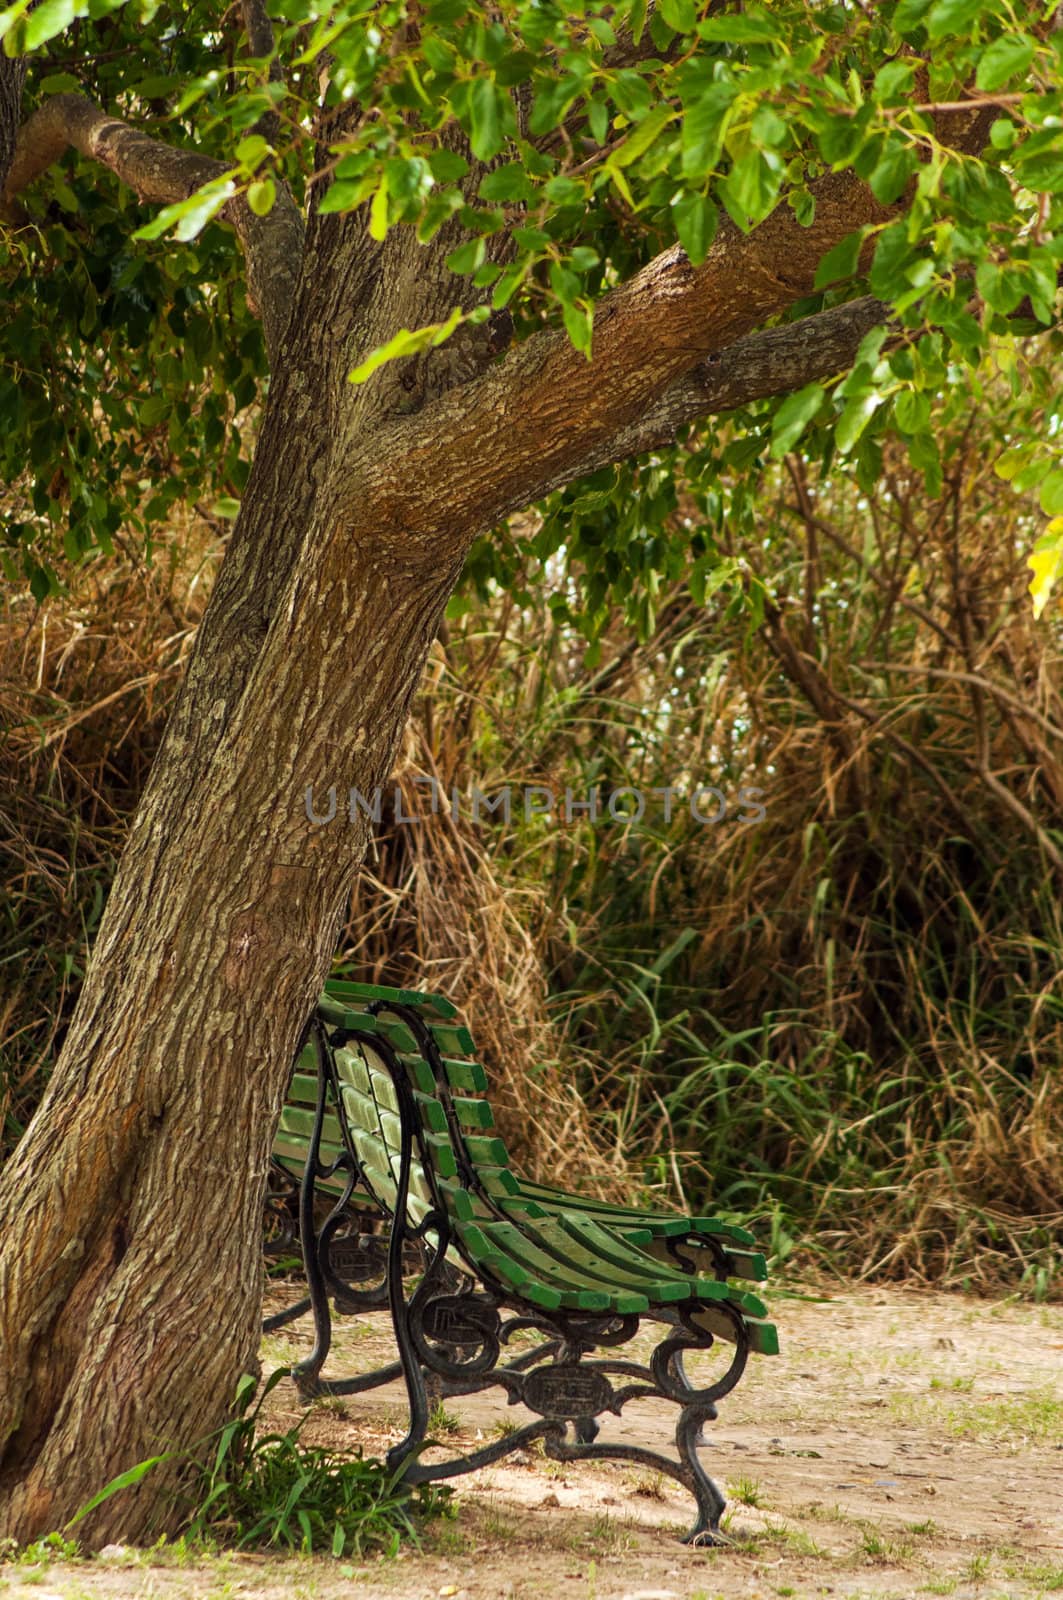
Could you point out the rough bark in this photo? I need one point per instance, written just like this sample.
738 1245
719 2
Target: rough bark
12 79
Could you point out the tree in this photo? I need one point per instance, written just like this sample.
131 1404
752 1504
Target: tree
493 253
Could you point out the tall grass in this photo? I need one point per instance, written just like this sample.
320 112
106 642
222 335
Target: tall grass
845 1022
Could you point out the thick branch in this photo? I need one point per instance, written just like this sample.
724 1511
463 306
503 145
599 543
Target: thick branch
540 416
773 361
159 173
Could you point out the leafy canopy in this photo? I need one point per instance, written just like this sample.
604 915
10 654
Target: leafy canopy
132 361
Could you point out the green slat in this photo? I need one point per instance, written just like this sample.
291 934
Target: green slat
389 1028
295 1119
294 1159
458 1201
562 1239
614 1258
492 1258
763 1336
368 1076
490 1152
578 1292
369 1073
302 1090
465 1075
473 1113
419 999
498 1181
748 1264
453 1040
663 1222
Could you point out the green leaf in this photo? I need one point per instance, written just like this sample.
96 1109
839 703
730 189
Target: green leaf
793 417
485 114
643 135
854 419
1051 495
261 195
841 262
378 212
1000 288
468 256
680 15
124 1480
579 322
447 165
704 124
751 188
60 83
189 217
249 151
407 342
510 182
1005 58
50 18
911 408
909 14
892 252
952 17
695 224
154 409
1012 461
344 195
892 172
1046 563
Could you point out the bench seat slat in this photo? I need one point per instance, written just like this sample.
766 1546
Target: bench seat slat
417 999
578 1290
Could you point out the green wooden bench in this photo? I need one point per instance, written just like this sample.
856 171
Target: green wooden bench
406 1197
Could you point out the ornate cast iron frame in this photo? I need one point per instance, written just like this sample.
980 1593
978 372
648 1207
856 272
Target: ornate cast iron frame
451 1335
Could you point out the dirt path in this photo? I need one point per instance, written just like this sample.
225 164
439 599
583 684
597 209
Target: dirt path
904 1444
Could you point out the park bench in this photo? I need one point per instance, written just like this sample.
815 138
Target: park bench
406 1198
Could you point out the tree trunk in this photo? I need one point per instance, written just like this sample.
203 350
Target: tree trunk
12 78
130 1214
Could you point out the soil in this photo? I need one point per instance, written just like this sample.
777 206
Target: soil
904 1443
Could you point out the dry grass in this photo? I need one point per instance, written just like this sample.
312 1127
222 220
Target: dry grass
845 1022
85 685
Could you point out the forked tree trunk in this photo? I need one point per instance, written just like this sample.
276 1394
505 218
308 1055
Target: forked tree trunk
130 1214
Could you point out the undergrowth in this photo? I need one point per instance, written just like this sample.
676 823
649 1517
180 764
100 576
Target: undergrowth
247 1488
842 1024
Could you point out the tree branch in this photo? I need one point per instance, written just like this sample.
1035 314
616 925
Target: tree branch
259 30
773 361
545 415
537 418
160 173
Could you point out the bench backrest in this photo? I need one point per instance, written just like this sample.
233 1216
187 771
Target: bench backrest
458 1141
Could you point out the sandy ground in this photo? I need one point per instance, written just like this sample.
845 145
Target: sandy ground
904 1444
